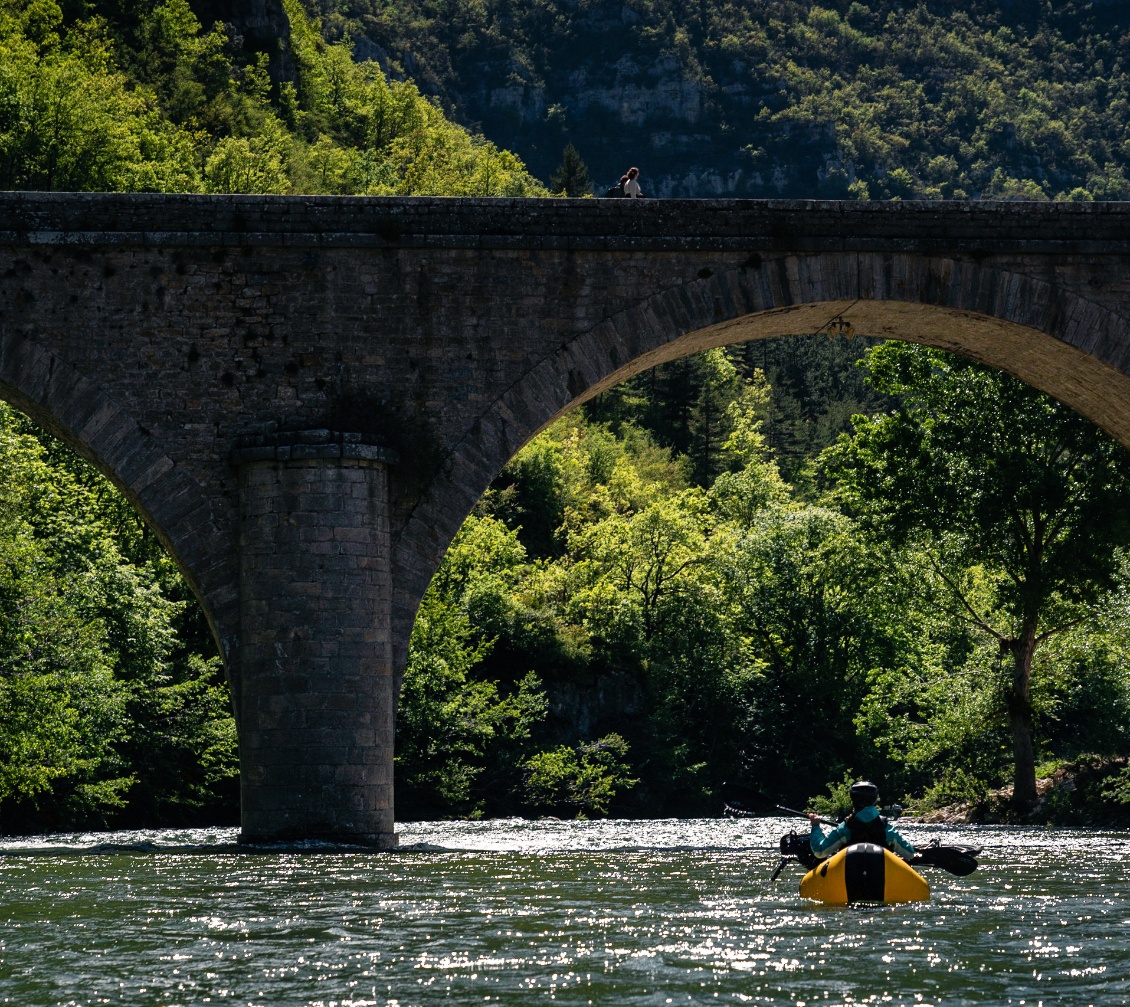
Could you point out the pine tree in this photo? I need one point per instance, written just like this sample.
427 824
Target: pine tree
572 177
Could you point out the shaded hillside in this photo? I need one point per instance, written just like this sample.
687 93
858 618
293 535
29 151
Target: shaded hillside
779 97
137 95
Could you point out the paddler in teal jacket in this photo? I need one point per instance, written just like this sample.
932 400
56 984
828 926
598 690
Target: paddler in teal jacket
865 825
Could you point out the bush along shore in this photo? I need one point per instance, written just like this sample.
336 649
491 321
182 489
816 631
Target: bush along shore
1084 792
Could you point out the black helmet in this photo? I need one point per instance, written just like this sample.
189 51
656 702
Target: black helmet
864 794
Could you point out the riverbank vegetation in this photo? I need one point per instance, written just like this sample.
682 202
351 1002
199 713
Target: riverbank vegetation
112 700
940 601
628 627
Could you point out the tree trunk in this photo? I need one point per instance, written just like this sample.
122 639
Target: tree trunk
1020 720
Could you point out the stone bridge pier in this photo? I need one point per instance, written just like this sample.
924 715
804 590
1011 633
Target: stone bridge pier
316 677
305 396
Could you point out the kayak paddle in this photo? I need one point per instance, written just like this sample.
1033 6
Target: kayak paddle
804 814
959 860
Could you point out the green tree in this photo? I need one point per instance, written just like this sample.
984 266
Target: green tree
258 164
1017 503
807 602
146 99
462 739
753 481
572 177
640 563
71 121
579 781
460 742
106 714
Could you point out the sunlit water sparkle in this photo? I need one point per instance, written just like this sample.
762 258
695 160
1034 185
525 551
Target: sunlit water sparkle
516 912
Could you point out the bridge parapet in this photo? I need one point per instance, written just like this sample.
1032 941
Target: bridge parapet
922 227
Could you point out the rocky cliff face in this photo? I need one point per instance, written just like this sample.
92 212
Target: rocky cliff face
691 132
594 706
687 136
260 25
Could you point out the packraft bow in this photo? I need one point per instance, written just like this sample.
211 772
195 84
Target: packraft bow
864 872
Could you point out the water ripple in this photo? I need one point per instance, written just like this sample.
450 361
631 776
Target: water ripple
515 912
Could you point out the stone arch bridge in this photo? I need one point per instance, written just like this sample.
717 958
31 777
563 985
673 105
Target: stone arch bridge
304 397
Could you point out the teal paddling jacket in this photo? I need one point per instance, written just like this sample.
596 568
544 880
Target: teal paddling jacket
825 845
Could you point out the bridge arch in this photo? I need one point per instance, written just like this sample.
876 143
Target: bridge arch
89 421
1050 338
305 396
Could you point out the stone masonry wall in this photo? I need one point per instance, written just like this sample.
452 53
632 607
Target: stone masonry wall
197 320
316 703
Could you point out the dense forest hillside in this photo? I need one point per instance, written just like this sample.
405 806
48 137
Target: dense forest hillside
785 98
144 96
840 98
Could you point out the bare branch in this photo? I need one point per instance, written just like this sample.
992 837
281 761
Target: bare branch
974 616
1059 629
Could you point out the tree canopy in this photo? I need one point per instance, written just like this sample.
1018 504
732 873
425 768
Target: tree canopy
112 704
143 97
1018 503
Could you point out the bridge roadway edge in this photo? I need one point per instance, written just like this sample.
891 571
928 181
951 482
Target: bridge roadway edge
405 287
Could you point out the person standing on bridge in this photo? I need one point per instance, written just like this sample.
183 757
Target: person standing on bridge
632 186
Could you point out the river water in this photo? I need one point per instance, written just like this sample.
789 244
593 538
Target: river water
571 913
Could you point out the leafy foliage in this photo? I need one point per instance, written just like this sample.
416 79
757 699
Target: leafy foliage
1015 503
582 780
746 643
145 98
837 803
105 714
460 742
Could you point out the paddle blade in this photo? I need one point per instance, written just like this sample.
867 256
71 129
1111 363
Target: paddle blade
959 860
